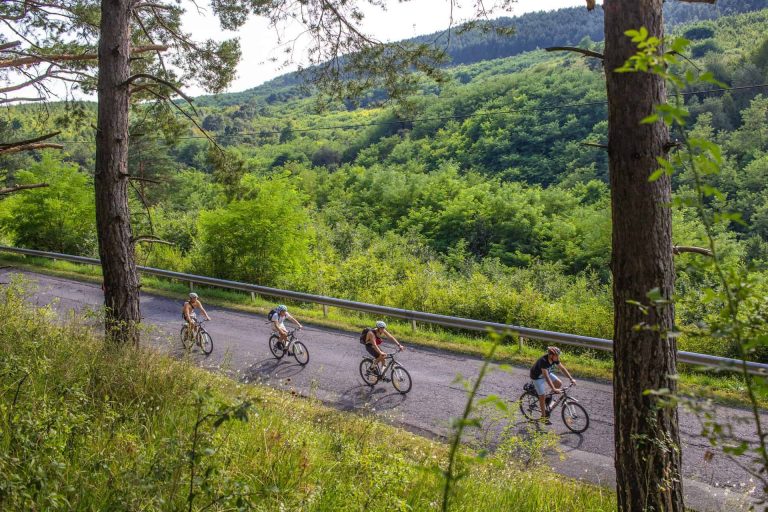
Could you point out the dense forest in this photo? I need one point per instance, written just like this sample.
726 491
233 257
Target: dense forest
476 198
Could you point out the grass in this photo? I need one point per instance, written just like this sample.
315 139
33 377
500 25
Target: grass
723 387
88 426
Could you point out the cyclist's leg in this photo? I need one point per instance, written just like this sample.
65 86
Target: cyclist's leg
540 385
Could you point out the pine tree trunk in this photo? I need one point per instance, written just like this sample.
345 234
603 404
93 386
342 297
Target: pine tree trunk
647 440
113 220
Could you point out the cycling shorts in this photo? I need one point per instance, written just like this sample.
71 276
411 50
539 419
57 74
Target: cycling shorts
541 383
371 350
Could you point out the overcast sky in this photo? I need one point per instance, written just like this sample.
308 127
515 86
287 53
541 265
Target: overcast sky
400 21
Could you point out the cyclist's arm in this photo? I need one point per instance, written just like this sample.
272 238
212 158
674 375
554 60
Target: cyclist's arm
567 373
545 373
185 311
203 310
370 339
386 332
290 317
276 326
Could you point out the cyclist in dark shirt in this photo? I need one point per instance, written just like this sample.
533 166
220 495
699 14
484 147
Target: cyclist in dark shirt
542 374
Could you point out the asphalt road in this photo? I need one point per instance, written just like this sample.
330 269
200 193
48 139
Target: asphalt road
712 483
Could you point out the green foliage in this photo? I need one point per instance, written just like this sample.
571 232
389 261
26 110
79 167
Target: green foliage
263 239
60 217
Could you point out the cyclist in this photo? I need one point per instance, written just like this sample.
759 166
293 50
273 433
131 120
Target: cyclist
542 372
374 338
188 313
278 319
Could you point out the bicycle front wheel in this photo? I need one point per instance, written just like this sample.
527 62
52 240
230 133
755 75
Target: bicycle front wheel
575 417
368 371
401 379
529 406
206 342
276 347
186 339
300 352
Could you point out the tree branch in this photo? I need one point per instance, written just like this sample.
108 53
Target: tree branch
150 240
16 188
583 51
159 80
7 145
679 249
139 178
8 46
31 147
65 57
595 145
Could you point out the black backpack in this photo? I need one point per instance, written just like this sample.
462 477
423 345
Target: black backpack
271 314
364 335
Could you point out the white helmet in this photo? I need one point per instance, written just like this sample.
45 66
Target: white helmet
381 325
193 295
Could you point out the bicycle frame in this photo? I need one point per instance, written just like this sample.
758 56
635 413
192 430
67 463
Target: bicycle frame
564 396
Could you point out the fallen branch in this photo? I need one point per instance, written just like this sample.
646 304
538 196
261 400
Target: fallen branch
11 190
575 49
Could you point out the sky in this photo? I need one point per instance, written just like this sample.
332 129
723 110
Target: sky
401 20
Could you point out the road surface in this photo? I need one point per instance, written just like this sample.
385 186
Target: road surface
712 482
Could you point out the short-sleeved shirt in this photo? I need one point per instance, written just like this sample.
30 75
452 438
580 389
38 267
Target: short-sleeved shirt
542 364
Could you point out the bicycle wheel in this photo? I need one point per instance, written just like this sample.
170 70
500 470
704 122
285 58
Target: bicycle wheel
206 342
276 347
401 379
186 340
529 406
300 352
575 417
368 371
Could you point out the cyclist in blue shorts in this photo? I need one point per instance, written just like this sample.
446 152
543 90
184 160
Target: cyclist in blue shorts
542 375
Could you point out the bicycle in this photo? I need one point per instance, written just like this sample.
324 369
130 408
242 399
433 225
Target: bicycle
294 347
201 337
398 375
573 413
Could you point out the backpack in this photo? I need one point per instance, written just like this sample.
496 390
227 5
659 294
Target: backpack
364 335
271 314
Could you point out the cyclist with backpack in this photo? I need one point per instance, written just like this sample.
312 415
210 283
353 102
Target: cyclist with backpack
542 374
278 316
372 338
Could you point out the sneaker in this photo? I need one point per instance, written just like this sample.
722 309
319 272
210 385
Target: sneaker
549 402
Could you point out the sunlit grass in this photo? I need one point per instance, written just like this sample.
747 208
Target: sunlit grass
84 426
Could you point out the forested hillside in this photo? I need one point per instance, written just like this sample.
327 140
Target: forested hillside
477 198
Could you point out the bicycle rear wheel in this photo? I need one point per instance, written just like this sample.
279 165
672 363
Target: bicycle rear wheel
186 339
276 347
300 353
206 342
575 417
401 379
529 406
368 371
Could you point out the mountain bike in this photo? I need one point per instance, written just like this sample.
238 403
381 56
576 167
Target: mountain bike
201 337
292 347
573 413
398 375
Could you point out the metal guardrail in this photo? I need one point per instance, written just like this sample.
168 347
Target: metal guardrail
407 314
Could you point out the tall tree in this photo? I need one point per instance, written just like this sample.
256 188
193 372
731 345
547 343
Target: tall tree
647 440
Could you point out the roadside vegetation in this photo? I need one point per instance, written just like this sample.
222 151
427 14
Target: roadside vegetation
722 387
84 426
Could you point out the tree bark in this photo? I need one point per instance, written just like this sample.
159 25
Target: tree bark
648 461
113 220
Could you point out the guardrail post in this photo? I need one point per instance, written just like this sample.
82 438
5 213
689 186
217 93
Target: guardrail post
520 343
191 286
413 325
325 310
253 297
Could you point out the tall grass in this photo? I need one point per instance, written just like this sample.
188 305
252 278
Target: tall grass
84 426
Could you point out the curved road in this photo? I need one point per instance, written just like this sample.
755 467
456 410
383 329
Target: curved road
713 482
